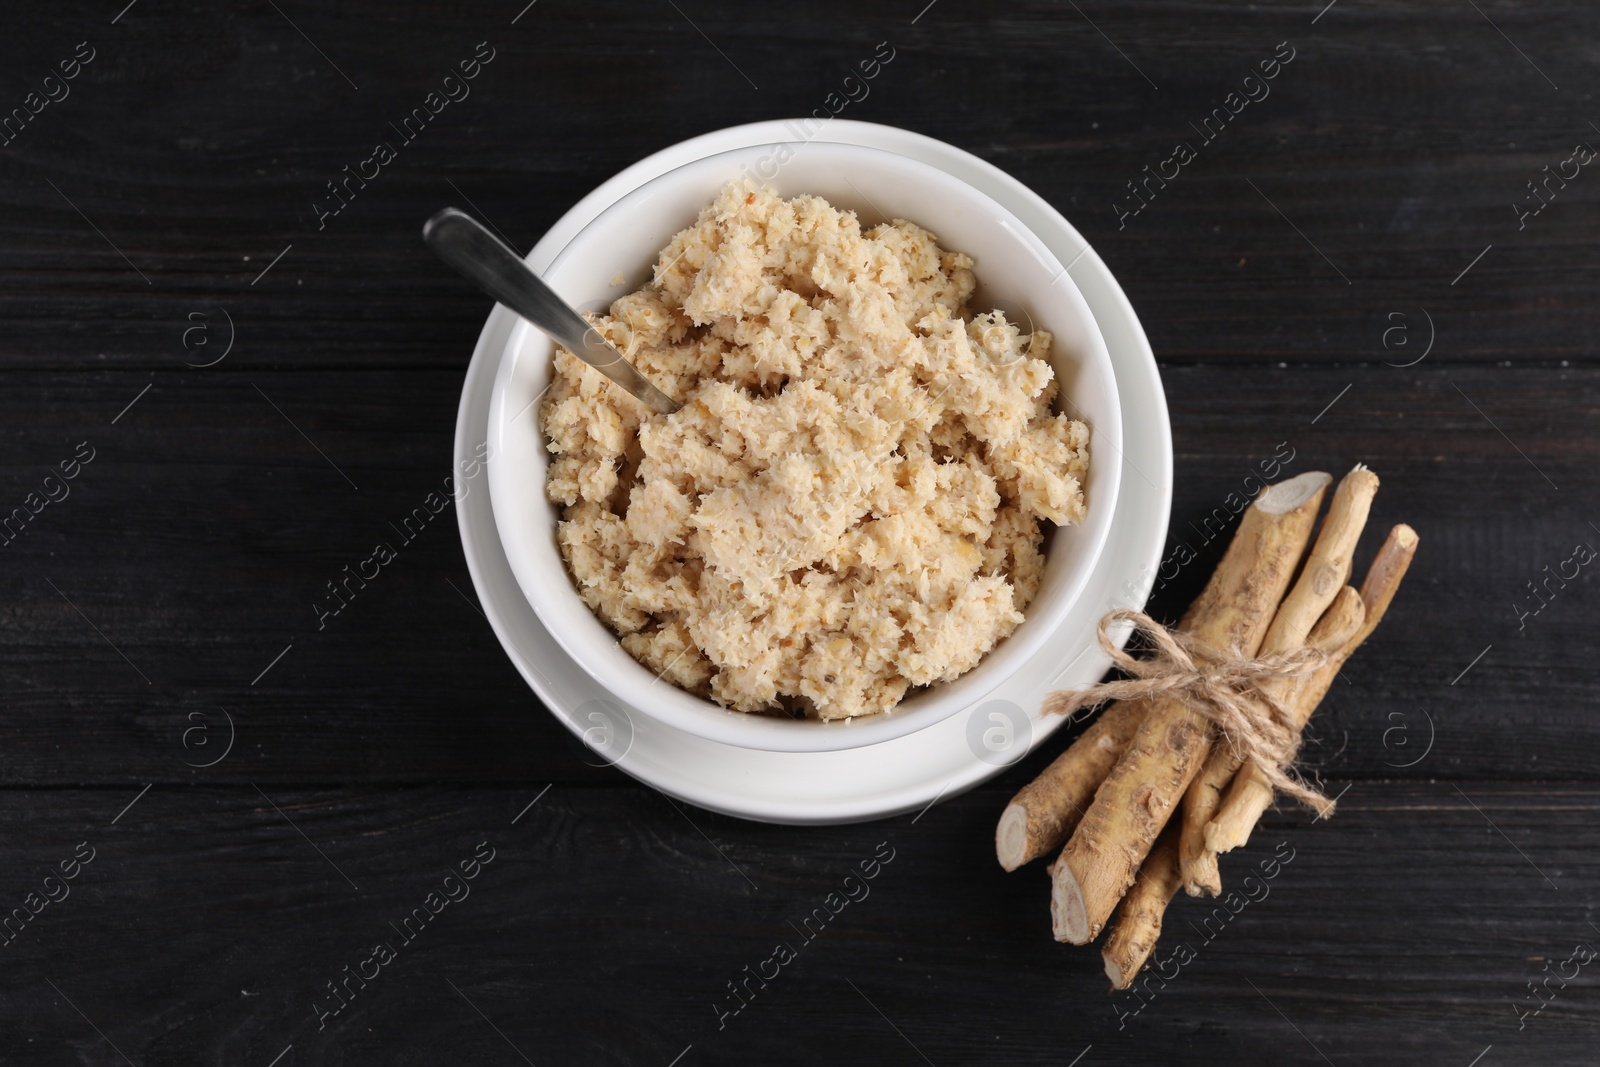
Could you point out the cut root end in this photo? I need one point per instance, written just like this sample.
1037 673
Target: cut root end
1011 837
1067 916
1285 496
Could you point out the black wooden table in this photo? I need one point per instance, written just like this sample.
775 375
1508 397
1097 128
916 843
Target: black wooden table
1354 266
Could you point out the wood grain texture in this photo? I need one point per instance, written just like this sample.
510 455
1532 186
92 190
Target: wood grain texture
606 928
1328 236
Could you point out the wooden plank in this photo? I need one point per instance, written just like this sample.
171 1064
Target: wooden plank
607 927
198 145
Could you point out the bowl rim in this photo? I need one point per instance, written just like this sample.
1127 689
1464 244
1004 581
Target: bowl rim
683 710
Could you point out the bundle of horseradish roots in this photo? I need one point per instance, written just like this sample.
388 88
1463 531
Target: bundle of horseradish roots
1210 717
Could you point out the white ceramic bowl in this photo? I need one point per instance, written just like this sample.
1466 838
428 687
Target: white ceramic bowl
1016 273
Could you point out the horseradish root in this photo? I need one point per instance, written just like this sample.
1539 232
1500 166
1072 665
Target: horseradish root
1046 810
1341 622
1250 663
1232 614
1140 915
1138 924
1321 578
1250 796
1199 863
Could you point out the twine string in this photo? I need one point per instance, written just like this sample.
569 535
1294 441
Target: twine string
1222 688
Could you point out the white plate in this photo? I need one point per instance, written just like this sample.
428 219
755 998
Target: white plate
942 760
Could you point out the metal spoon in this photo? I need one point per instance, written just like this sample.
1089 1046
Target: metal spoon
480 256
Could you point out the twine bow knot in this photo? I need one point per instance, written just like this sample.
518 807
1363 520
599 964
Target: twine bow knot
1225 689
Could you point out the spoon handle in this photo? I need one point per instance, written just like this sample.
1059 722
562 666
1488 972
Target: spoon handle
481 257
